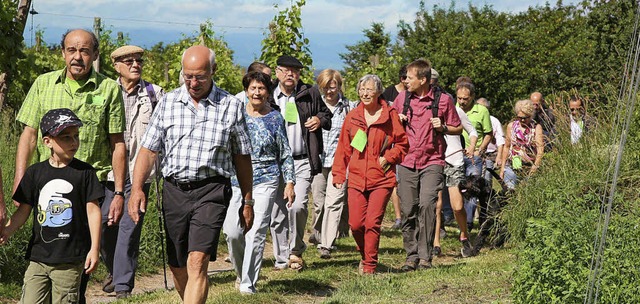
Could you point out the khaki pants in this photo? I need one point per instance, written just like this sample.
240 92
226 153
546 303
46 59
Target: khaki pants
51 283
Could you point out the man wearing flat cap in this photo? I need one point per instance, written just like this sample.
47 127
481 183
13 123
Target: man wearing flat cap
121 243
97 101
305 116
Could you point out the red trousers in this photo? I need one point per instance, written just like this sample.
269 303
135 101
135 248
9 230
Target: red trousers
366 210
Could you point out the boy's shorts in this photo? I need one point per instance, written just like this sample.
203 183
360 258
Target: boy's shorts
453 175
61 281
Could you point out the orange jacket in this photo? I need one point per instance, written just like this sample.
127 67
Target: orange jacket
365 172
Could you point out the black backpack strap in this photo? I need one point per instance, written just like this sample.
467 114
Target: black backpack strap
437 93
406 107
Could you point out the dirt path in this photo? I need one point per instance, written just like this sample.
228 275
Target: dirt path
146 284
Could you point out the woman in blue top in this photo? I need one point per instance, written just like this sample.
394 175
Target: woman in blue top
272 165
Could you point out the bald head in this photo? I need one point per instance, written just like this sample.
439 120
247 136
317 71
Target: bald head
201 56
198 65
537 99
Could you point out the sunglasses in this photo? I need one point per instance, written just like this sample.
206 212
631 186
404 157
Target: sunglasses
523 117
130 62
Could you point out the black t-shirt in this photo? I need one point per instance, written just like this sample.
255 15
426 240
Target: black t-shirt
390 94
59 197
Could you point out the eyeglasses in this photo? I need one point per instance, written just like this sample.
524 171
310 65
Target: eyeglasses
129 62
198 78
286 71
330 89
367 90
574 109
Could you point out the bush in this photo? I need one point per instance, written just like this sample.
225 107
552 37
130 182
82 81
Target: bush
554 217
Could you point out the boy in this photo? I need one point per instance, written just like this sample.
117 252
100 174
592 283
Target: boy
63 193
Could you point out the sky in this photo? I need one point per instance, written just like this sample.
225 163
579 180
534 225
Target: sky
330 25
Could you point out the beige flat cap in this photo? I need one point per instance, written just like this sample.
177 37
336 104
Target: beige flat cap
125 51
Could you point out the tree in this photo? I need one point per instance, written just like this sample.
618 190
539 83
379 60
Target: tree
370 56
285 37
13 17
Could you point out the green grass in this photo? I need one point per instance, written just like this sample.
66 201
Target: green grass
482 279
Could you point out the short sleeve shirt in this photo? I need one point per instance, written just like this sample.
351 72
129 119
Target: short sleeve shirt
98 103
59 197
197 143
481 120
424 150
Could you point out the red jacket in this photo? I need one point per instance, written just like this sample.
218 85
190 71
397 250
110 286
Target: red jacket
365 172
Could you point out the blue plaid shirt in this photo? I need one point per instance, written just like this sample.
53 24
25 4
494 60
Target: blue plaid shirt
197 143
330 138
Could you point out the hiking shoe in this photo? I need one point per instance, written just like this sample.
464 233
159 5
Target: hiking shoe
424 265
324 253
107 284
314 238
467 249
408 266
123 294
437 251
397 225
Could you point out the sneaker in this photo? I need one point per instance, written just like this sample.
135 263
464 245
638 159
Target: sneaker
324 253
443 233
107 284
123 294
424 265
397 224
237 284
469 227
467 249
227 259
437 251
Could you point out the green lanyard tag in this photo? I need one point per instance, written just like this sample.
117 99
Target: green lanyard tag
291 112
516 163
359 141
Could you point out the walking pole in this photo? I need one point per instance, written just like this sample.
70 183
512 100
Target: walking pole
160 209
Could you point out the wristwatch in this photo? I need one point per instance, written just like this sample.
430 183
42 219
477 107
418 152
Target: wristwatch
118 193
249 202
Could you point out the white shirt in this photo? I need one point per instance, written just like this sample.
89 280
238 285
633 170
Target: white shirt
498 135
454 154
294 130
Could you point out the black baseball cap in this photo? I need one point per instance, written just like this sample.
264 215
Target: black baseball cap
56 120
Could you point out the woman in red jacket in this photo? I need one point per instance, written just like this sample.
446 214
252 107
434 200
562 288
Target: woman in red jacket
372 142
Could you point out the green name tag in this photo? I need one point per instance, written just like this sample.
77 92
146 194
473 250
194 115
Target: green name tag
516 163
97 100
291 112
359 141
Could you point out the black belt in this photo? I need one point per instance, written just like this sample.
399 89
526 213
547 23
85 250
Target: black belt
186 186
300 156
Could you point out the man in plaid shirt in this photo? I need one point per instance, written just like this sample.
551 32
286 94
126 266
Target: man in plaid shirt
201 134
